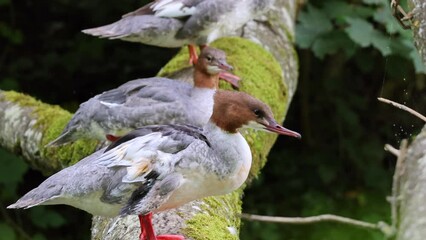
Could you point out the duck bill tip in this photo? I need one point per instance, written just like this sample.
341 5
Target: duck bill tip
283 131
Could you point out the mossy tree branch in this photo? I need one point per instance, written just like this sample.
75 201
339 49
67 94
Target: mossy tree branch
26 125
269 72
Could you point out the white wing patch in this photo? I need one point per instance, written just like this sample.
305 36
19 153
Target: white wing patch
172 9
138 155
108 104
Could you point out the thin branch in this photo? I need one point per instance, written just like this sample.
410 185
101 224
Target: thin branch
309 220
392 150
403 107
381 226
396 182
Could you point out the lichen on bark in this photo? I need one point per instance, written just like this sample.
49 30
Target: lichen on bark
41 123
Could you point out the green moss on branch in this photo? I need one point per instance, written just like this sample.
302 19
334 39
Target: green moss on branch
50 121
261 77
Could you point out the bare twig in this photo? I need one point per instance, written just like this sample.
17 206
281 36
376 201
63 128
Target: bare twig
396 183
399 13
403 107
381 226
392 150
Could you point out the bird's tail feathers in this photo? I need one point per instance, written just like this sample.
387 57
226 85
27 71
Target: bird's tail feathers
111 31
66 137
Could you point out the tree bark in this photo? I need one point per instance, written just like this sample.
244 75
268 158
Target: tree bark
26 125
412 213
419 26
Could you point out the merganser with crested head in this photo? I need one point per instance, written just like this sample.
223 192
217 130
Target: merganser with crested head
176 23
149 101
160 167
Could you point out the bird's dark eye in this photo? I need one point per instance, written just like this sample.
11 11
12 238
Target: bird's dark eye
258 113
209 58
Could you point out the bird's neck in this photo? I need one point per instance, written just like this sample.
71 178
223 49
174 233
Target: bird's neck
231 148
205 80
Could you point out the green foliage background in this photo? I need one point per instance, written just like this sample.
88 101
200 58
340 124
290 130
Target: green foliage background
351 52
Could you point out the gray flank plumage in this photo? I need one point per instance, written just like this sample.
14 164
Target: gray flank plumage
65 184
135 104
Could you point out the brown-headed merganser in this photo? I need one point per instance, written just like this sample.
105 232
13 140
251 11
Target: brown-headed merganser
160 167
149 101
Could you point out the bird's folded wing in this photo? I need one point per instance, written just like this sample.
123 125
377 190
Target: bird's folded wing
167 8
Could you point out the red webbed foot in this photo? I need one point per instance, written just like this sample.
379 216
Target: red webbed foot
147 230
170 237
231 78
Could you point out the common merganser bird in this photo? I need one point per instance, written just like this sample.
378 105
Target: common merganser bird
149 101
176 23
160 167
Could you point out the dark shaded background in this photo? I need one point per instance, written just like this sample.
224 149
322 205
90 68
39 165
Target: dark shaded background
339 166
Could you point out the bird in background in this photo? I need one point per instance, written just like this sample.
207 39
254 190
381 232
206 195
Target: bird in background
149 101
160 167
176 23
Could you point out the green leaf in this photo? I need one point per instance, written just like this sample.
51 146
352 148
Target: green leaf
332 42
4 2
374 2
44 218
6 232
9 84
359 31
14 36
384 16
312 24
381 42
39 236
12 168
340 10
419 66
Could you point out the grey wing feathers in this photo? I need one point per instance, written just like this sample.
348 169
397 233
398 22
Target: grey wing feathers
134 104
183 135
146 29
150 197
209 13
149 8
38 196
65 183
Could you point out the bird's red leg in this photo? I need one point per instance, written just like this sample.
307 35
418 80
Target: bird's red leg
147 230
142 236
193 56
231 78
111 138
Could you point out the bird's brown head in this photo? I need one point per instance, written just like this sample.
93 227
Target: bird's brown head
212 61
234 110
